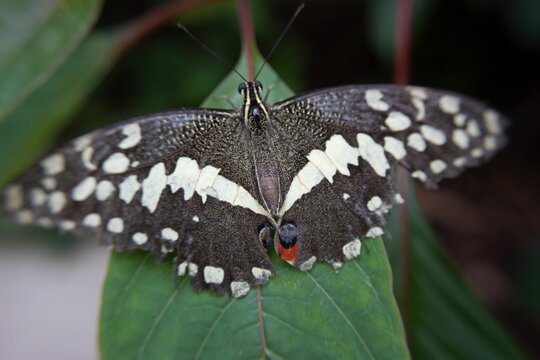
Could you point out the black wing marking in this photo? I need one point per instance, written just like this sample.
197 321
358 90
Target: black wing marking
341 145
163 183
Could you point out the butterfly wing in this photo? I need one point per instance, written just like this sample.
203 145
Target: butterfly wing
161 183
341 145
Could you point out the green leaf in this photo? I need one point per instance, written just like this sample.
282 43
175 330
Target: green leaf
37 37
446 320
316 314
47 111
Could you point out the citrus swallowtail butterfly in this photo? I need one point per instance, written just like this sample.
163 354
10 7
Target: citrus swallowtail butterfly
310 176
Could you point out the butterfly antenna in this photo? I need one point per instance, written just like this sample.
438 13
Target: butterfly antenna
201 44
296 13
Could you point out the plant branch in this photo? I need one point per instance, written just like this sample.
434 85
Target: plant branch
141 27
403 22
246 30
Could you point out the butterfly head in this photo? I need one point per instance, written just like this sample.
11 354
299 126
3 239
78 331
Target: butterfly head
254 108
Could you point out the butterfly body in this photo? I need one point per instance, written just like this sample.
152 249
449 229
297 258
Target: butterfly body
312 175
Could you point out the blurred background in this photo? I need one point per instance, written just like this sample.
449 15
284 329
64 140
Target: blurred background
487 219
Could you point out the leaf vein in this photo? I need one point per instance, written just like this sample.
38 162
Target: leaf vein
340 311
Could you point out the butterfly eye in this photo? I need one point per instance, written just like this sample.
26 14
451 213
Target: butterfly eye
259 85
287 235
265 235
241 88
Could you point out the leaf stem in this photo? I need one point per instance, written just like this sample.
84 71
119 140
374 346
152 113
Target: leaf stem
246 30
261 322
403 21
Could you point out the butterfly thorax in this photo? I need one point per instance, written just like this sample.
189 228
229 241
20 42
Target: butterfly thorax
257 121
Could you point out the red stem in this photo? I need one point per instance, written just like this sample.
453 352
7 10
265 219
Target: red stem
152 20
246 30
403 44
401 76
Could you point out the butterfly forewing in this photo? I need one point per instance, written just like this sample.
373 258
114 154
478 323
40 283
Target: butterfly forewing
209 185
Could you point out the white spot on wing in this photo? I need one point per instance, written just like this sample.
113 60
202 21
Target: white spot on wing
82 142
490 143
433 135
117 163
303 182
116 225
492 122
67 225
57 201
104 189
323 163
416 141
169 234
418 92
181 268
239 288
38 197
460 119
133 136
341 154
397 121
53 164
374 203
153 186
24 217
374 100
420 175
420 108
308 264
195 219
213 275
394 147
86 157
373 153
477 153
128 188
84 189
140 238
374 231
226 190
472 128
261 275
206 180
92 220
449 104
459 162
48 183
346 196
184 176
437 166
193 269
14 197
398 199
352 249
45 222
460 138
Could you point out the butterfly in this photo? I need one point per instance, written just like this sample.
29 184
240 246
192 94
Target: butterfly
310 176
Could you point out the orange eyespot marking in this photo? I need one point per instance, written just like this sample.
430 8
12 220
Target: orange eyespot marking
289 255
